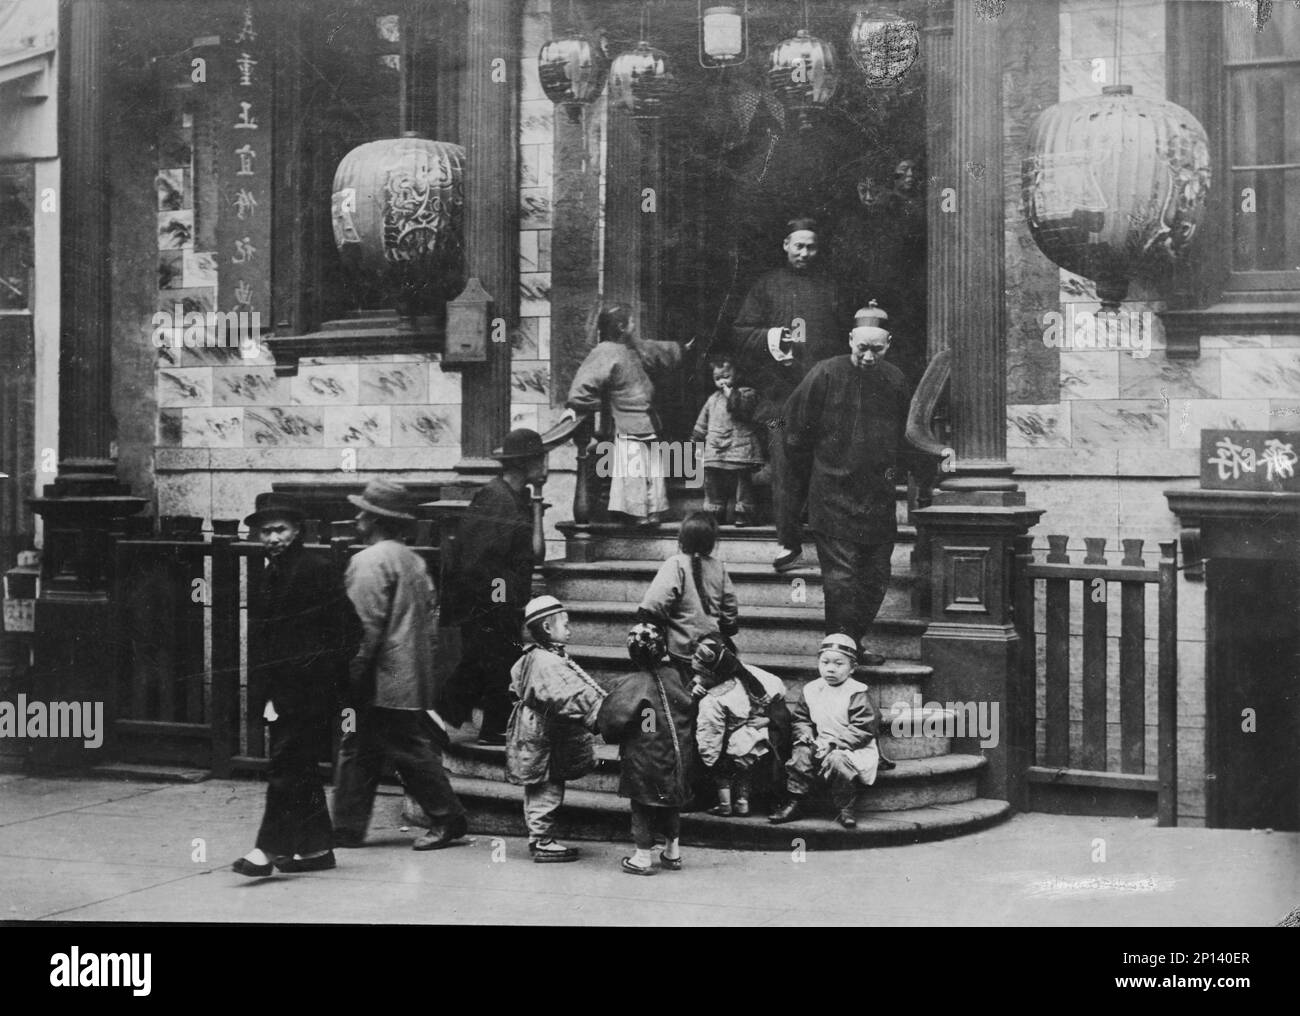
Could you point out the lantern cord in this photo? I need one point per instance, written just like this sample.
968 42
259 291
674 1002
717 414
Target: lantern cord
1119 21
643 22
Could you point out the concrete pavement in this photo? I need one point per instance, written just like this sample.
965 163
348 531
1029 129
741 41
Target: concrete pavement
98 850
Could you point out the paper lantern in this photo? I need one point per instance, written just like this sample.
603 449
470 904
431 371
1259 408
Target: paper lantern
641 81
1113 183
803 75
724 35
883 45
398 209
572 72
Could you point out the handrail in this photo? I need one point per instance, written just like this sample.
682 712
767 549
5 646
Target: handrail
920 415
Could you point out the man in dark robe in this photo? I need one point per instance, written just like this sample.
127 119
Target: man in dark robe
844 427
489 580
791 319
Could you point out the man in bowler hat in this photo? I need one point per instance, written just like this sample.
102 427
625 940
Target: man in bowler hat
489 580
391 679
302 633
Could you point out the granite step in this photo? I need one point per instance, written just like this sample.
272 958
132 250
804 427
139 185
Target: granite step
762 629
609 541
756 584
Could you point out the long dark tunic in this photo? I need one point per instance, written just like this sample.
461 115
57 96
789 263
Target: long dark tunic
495 541
777 299
656 746
844 427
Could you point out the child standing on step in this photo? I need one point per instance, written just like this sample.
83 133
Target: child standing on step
833 741
691 596
548 739
733 446
648 715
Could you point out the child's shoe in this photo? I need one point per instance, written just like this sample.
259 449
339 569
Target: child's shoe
741 807
788 812
846 818
723 807
740 790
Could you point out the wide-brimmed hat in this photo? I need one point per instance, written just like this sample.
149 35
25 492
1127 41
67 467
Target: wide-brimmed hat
274 506
521 443
384 497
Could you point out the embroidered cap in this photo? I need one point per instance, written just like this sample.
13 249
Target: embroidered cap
541 606
645 644
840 643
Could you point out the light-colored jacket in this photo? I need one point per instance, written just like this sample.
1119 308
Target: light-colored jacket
725 438
729 720
549 734
673 601
389 585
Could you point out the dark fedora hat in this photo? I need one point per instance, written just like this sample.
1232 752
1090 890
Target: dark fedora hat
274 506
521 443
384 497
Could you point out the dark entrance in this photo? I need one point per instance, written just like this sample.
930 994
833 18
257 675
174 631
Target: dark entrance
1253 706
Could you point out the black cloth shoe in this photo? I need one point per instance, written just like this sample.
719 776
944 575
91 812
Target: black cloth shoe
846 818
246 867
437 838
293 865
886 764
866 659
788 812
549 851
788 561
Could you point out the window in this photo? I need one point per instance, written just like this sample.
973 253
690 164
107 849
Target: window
1263 133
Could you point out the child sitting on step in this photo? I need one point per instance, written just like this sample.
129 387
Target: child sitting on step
743 727
691 596
648 715
833 740
548 739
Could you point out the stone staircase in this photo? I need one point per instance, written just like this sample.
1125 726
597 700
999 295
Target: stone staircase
932 793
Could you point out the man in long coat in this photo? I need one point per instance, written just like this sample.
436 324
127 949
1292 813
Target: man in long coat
791 319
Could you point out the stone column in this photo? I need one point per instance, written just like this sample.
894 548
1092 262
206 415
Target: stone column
977 316
623 217
489 123
941 226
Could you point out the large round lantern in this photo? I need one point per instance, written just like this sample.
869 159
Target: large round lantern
883 45
1114 183
399 211
803 75
641 81
572 72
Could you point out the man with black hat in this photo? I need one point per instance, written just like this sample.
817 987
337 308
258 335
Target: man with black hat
791 319
302 631
391 679
489 580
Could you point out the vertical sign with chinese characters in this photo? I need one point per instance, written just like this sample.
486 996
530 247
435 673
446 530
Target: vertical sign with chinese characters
242 112
1263 460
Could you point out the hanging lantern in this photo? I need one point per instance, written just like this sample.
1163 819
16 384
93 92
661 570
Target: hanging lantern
803 75
883 45
724 34
640 81
572 72
398 211
1112 183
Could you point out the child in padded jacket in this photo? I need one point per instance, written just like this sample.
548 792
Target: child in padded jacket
548 739
648 715
742 730
833 741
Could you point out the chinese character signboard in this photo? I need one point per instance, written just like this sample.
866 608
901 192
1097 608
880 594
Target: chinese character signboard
1260 460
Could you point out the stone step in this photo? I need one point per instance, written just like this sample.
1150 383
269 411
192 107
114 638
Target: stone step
683 500
893 681
608 541
756 584
762 629
496 809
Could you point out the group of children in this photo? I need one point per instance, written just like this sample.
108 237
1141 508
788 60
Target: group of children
691 710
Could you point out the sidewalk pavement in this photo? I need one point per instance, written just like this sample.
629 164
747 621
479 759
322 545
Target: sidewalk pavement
98 850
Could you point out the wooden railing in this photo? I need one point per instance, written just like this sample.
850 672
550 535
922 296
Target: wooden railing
1090 765
181 599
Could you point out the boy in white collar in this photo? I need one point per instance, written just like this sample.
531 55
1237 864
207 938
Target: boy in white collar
548 738
833 741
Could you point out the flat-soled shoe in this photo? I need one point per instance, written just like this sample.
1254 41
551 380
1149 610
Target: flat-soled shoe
788 812
886 764
847 819
635 869
436 839
670 863
246 867
722 810
293 865
788 561
550 852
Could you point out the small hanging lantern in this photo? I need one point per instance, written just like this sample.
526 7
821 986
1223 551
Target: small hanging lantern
803 73
883 45
572 72
573 69
724 34
1113 183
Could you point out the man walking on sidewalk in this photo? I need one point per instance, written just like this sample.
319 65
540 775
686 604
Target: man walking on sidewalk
391 679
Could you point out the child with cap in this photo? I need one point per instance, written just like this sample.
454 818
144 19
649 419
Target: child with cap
648 715
833 740
548 738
